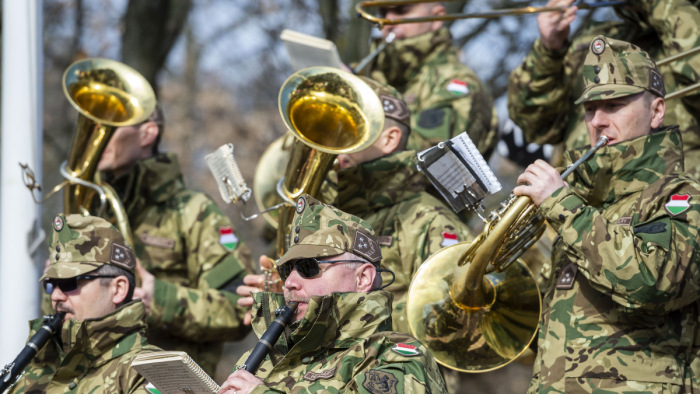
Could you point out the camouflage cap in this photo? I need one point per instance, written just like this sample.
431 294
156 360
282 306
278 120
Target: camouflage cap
81 244
615 68
392 101
320 230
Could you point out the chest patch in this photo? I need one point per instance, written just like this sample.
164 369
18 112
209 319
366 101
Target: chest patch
624 221
312 376
567 276
380 382
159 242
385 240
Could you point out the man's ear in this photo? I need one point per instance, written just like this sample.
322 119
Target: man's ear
390 140
149 133
365 277
437 9
119 288
658 109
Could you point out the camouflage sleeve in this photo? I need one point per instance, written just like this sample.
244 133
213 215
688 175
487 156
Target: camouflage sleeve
677 22
215 259
651 264
537 93
456 105
444 230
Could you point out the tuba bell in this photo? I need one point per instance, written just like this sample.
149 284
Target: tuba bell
327 112
476 305
107 94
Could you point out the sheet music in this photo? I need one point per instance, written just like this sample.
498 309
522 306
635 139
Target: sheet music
468 150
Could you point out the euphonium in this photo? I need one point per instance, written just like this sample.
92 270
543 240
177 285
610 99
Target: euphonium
328 112
107 94
475 305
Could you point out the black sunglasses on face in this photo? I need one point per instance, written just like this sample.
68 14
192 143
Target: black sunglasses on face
69 284
308 267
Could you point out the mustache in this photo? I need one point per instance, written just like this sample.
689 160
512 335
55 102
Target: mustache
62 307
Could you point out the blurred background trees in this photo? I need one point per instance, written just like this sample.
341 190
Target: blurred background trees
217 66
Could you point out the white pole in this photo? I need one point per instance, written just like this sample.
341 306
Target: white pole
22 68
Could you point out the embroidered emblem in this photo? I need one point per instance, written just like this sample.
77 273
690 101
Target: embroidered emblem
58 223
366 247
380 382
567 276
598 46
122 256
406 350
385 240
678 204
449 239
458 88
314 376
624 221
656 83
227 238
301 205
160 242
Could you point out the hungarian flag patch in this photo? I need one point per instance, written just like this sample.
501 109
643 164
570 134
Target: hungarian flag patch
227 238
406 350
678 204
449 239
457 87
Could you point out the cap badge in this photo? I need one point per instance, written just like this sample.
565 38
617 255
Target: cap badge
301 205
598 46
58 223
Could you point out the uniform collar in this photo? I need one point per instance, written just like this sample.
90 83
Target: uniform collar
379 183
627 167
338 320
402 60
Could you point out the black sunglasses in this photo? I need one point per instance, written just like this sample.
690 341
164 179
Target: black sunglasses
69 284
308 267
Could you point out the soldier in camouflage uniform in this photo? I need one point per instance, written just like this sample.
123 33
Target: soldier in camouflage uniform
542 90
192 258
445 97
90 279
621 310
340 338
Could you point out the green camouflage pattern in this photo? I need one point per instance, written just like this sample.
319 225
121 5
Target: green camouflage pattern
421 68
320 230
389 193
92 356
542 90
81 244
615 68
621 310
177 233
342 344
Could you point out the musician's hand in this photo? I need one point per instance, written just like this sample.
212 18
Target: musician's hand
555 25
240 382
253 284
145 291
538 182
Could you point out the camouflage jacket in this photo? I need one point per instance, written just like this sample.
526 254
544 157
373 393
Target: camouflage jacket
445 97
188 244
542 90
621 310
410 223
343 345
92 356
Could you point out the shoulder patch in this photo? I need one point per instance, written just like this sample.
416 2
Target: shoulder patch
406 350
678 204
380 382
227 238
458 87
449 239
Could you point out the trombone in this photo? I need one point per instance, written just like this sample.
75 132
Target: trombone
381 21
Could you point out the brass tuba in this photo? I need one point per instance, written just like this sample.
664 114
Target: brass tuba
107 94
476 305
328 112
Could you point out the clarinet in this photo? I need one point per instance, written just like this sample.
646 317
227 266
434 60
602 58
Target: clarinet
11 371
269 338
